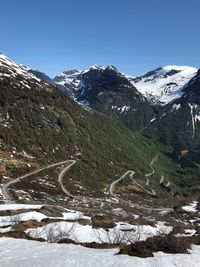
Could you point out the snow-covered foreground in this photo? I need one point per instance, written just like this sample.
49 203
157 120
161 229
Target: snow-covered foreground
23 253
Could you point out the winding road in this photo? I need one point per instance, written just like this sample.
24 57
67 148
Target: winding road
111 188
6 194
131 173
153 171
151 192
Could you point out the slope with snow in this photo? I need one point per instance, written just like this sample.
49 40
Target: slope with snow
165 84
8 68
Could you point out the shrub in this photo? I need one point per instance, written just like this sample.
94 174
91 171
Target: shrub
167 244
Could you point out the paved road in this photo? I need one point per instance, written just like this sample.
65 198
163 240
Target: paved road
5 192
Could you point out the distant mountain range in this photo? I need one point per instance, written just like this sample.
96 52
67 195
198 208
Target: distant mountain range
159 86
163 103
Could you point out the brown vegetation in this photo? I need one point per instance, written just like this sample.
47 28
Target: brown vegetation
167 244
99 221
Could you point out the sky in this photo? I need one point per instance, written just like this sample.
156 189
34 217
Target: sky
136 36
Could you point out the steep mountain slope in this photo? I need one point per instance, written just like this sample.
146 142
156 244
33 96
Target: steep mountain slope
165 84
110 92
40 124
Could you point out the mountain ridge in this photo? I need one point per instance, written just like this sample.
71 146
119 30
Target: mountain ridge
148 84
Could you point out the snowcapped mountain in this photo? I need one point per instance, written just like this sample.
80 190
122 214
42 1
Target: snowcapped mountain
109 91
165 84
35 116
88 86
73 80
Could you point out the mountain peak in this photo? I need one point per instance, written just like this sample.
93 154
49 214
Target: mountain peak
111 67
70 72
96 67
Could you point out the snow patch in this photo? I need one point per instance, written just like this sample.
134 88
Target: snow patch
192 207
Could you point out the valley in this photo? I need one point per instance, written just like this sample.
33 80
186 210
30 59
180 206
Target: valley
89 158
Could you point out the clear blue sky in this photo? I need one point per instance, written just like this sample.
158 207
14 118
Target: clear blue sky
134 35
